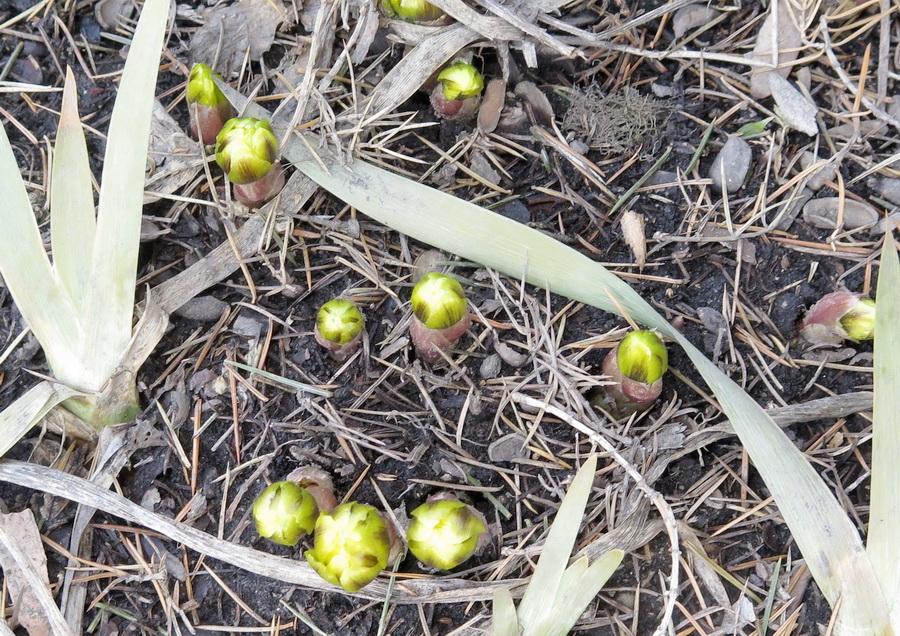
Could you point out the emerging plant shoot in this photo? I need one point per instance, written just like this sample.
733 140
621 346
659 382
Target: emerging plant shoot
444 532
440 315
247 152
351 545
837 317
418 11
339 327
635 368
458 92
285 513
209 108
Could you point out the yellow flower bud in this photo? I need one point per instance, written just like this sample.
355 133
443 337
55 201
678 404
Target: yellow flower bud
202 89
461 80
444 533
412 10
246 149
285 513
839 316
351 546
642 357
439 301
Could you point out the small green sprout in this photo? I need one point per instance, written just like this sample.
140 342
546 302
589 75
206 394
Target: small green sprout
339 326
412 10
246 149
458 92
635 369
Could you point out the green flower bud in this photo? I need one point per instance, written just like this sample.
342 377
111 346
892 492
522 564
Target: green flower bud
439 301
209 108
412 10
339 321
351 546
444 533
246 149
285 513
642 357
461 80
202 89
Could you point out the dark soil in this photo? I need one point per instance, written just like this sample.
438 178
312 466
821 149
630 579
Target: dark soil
396 450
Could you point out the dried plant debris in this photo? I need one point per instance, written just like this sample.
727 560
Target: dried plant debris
619 122
233 31
778 42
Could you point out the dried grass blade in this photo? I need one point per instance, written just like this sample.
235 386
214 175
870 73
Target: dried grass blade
19 417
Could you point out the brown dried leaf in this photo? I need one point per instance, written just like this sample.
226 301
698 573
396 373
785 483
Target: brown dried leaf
782 29
231 30
176 157
22 529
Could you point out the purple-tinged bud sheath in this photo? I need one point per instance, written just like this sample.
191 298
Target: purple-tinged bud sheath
837 317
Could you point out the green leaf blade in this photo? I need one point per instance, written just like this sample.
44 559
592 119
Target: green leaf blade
883 545
541 594
114 263
72 221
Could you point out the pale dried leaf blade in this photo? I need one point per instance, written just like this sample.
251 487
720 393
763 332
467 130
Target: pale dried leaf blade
23 532
19 549
72 220
797 110
830 543
232 31
22 415
884 518
114 270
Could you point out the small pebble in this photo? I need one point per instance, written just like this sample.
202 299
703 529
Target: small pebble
731 164
202 309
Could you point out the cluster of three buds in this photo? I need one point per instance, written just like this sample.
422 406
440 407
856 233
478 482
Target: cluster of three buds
246 148
352 542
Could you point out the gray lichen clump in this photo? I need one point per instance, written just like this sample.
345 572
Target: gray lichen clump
619 122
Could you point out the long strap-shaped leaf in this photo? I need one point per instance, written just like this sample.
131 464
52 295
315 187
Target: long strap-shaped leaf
828 540
114 268
883 544
72 221
27 272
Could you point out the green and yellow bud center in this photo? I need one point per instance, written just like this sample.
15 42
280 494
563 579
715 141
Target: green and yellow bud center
444 533
642 356
461 80
284 512
412 10
202 89
246 149
859 322
351 546
439 301
339 321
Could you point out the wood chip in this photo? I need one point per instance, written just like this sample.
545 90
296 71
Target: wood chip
635 238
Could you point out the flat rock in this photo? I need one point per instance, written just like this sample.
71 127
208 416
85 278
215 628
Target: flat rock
202 309
731 165
823 213
817 178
